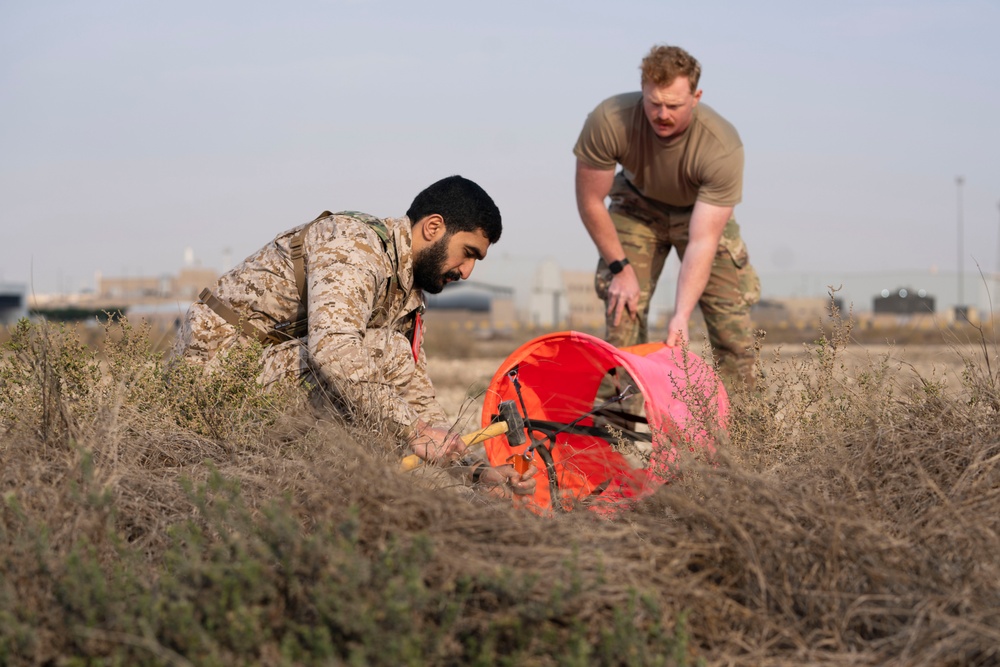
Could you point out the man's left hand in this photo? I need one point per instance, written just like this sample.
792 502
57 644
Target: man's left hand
678 332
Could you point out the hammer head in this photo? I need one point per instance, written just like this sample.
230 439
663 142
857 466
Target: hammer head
508 413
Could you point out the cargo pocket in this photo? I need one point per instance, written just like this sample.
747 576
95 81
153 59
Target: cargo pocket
602 281
750 285
747 280
733 244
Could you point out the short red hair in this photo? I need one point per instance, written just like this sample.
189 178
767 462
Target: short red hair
663 64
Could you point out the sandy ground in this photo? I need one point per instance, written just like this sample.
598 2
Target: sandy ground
460 382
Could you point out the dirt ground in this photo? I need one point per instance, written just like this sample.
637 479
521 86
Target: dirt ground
460 383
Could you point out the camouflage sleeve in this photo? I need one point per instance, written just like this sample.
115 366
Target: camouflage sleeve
202 336
348 273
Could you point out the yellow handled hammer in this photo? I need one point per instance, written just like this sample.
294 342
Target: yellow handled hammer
509 421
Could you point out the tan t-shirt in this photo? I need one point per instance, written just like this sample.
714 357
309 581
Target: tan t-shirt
703 164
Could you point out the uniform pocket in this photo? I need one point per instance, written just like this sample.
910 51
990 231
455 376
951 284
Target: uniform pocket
602 281
733 244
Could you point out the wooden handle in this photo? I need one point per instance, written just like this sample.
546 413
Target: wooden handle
491 431
470 439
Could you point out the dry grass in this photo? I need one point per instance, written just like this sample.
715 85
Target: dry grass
853 520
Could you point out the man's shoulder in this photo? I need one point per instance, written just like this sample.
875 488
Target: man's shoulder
712 122
607 132
350 224
383 228
622 103
347 233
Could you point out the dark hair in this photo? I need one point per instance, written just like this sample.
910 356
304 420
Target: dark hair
464 206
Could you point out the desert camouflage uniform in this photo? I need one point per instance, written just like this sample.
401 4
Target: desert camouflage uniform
361 311
648 229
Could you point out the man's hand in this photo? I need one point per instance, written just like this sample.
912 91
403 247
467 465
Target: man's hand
623 294
678 331
708 222
435 444
592 186
501 478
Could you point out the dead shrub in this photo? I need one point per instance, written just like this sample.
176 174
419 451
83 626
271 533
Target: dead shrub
853 520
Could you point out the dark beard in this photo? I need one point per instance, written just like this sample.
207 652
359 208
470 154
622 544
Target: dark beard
428 268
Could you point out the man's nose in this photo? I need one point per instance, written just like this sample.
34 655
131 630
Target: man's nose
466 268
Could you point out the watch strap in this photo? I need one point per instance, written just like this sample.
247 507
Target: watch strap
616 266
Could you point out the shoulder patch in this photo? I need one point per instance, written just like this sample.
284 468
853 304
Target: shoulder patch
377 225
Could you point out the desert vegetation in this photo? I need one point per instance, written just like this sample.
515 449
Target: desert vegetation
151 516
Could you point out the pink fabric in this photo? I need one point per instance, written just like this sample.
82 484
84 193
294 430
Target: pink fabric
684 402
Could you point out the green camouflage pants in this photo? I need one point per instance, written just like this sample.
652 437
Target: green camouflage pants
648 230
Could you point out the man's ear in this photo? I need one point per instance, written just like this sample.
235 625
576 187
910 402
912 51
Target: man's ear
431 228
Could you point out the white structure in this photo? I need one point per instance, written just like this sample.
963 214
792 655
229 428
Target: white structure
548 305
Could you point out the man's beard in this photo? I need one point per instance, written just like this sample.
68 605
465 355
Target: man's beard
428 268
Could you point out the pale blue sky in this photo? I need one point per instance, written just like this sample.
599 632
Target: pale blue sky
132 130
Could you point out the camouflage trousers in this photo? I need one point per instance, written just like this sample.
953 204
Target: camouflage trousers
648 230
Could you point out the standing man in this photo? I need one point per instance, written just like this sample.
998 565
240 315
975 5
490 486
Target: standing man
339 301
681 176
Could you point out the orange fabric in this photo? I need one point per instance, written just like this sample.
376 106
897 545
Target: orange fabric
560 374
418 336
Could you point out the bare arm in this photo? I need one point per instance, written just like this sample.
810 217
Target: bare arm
707 224
592 186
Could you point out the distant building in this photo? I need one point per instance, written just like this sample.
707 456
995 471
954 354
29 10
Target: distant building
131 288
903 301
859 290
187 284
564 299
586 309
548 306
190 280
473 306
798 311
13 305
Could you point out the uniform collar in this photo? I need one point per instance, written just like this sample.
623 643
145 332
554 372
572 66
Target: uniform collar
402 232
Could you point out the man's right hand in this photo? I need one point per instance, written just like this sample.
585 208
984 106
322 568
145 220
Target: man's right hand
593 185
436 444
623 294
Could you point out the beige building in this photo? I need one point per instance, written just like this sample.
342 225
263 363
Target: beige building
130 289
585 311
187 284
190 280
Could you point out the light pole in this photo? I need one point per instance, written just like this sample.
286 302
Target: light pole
998 256
959 181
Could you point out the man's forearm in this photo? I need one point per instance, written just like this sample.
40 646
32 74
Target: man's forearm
602 230
592 186
371 370
696 268
707 224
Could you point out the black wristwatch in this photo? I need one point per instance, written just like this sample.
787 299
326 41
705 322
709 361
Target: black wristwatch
617 266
